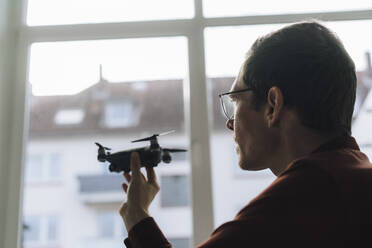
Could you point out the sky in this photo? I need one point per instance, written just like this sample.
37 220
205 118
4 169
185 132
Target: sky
69 67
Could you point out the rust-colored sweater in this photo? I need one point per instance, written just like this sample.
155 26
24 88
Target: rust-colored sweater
321 200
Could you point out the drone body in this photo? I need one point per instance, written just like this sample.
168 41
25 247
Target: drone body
150 156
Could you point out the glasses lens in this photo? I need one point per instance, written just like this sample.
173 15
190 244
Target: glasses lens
228 106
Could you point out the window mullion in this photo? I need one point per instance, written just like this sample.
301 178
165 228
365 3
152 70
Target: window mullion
288 18
199 133
108 30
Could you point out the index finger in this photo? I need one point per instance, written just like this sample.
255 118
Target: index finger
135 164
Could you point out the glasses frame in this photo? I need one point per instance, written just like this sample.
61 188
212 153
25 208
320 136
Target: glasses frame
229 93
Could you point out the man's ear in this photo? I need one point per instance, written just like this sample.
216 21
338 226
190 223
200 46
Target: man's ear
275 104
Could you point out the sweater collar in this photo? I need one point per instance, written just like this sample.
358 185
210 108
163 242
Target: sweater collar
340 142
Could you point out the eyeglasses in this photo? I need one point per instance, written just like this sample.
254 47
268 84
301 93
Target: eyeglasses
228 106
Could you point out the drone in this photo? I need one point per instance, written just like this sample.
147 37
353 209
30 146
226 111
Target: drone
150 156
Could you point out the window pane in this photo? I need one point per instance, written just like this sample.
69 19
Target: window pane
106 225
34 168
214 8
52 228
54 166
55 12
233 187
69 116
363 123
174 191
122 80
121 114
32 228
180 242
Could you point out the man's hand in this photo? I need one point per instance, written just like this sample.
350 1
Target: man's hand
140 193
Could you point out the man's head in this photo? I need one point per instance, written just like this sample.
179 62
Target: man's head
306 68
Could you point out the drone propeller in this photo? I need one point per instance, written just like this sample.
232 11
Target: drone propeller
100 146
165 133
174 150
153 136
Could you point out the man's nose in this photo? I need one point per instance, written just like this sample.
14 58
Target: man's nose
230 124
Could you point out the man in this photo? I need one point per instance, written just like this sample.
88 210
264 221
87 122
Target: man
290 110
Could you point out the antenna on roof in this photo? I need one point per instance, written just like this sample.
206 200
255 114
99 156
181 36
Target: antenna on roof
100 73
368 59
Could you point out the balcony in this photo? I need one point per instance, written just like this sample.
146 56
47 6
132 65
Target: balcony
101 188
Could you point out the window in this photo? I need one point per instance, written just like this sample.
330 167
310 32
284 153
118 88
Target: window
41 229
54 167
43 167
179 156
71 116
174 191
106 224
121 114
110 225
167 56
180 242
221 73
32 231
52 233
100 77
34 167
362 125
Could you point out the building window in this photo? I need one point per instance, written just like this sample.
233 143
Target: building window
34 167
106 225
121 114
52 228
180 242
110 226
43 167
41 229
32 232
175 191
54 166
179 156
69 117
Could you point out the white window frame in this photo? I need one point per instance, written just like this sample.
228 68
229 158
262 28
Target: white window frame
14 109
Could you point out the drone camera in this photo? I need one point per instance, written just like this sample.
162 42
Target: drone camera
101 158
166 157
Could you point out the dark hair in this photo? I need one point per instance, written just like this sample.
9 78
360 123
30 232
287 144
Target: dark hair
313 70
